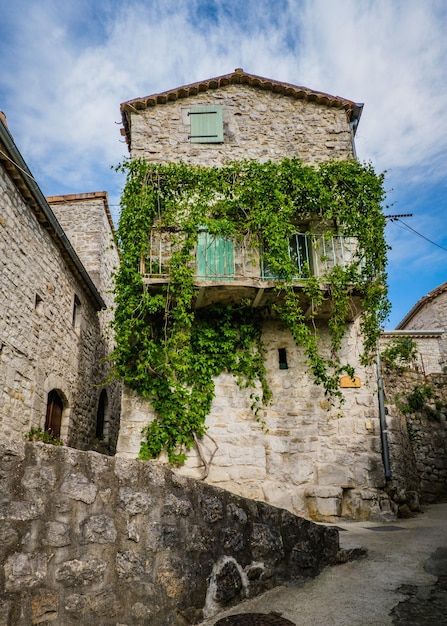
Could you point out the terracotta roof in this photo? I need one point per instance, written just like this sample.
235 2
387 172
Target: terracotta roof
420 304
238 77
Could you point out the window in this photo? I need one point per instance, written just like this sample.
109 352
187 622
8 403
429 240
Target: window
282 359
300 252
206 125
76 314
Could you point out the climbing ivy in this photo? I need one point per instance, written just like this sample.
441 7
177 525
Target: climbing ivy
170 352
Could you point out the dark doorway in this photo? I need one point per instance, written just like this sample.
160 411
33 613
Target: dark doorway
53 418
100 415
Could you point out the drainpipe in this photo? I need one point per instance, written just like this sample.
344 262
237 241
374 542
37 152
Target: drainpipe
382 415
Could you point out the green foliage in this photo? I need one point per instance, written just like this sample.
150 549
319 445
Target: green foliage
400 352
170 352
420 400
47 436
417 398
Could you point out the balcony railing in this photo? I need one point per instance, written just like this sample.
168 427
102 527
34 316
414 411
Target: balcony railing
227 259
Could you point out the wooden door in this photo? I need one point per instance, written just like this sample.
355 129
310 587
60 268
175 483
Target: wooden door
53 418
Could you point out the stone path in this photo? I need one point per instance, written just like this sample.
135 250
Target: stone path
402 580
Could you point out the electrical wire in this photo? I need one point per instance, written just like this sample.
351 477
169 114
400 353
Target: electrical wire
420 234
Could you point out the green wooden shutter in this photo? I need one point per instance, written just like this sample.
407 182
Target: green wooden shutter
206 125
215 256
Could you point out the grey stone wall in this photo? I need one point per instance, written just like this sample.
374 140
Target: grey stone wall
258 124
430 351
417 439
95 540
41 348
305 454
87 222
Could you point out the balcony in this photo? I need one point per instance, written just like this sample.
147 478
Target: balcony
229 270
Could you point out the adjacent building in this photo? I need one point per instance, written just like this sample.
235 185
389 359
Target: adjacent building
57 257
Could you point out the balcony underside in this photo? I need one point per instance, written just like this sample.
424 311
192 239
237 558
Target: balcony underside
255 292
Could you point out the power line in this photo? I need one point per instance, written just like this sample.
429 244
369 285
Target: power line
396 219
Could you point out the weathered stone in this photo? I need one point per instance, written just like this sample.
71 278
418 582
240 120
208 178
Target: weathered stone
134 502
80 571
57 534
228 583
130 565
211 507
266 541
98 529
78 487
25 571
44 607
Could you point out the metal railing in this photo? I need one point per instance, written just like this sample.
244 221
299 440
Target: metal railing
224 258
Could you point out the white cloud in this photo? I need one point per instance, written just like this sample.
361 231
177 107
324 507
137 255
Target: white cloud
67 66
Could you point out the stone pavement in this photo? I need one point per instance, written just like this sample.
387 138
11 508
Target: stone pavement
402 580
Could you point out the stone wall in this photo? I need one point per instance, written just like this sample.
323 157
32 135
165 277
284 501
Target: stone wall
258 124
430 351
87 222
303 454
90 539
417 439
42 346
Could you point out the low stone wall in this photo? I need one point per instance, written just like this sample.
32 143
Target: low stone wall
417 439
89 539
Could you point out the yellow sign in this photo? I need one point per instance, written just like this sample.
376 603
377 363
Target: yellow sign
347 381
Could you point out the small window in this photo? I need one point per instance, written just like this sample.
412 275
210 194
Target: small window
282 358
76 316
101 416
38 302
206 125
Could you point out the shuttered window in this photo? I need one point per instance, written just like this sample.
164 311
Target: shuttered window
215 257
206 125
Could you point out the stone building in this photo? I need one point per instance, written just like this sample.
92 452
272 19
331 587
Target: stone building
416 399
430 314
55 309
312 458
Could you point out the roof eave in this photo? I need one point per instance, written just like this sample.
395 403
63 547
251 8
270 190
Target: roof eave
238 77
23 179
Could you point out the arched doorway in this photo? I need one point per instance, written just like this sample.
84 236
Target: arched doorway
53 418
101 415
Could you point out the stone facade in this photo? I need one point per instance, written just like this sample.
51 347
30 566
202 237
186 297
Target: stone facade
52 328
89 539
88 224
258 124
303 454
417 437
430 314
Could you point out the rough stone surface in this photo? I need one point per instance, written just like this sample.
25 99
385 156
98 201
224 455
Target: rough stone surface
417 439
258 125
135 543
43 346
304 455
254 619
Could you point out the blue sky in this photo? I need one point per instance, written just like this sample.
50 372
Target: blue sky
67 66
